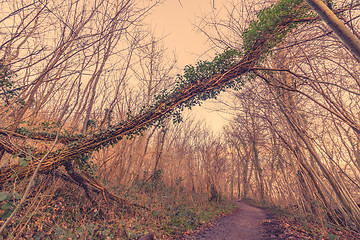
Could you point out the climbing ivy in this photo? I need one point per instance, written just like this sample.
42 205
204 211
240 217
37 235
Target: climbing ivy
263 34
85 163
206 69
7 90
198 73
268 21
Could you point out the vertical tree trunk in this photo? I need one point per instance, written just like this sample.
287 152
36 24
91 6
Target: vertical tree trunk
287 103
258 170
339 28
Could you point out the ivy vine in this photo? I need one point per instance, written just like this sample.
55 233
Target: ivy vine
270 28
7 88
269 21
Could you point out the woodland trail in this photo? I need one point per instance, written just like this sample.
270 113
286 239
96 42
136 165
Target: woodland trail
244 224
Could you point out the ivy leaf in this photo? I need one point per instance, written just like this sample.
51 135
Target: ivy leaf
17 196
28 157
16 155
23 162
58 231
7 206
333 237
6 214
4 196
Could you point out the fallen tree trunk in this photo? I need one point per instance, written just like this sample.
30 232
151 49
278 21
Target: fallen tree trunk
258 45
138 122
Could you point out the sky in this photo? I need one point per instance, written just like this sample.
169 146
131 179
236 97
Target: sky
175 22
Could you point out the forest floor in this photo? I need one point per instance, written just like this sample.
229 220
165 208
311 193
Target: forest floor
257 223
61 209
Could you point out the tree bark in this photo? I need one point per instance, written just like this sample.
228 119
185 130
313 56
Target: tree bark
339 28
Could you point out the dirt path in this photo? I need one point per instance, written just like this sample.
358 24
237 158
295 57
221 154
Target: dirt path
245 224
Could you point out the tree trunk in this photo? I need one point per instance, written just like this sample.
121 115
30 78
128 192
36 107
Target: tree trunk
339 28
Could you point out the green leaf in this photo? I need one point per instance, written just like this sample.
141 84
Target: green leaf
17 196
4 196
7 206
333 237
16 155
58 231
6 214
28 157
78 230
23 162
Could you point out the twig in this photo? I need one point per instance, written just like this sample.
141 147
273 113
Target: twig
29 186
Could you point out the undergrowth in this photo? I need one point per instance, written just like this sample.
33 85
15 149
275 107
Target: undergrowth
299 224
64 211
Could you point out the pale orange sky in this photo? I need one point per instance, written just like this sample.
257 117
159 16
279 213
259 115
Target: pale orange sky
175 23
